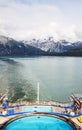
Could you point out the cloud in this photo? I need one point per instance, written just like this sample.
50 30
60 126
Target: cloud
24 19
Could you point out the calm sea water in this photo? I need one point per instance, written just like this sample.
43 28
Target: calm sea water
59 77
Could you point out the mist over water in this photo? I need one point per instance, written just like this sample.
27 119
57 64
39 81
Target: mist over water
59 77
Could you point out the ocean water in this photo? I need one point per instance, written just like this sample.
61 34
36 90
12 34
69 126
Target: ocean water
58 77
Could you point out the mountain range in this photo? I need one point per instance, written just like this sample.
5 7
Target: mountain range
61 47
11 47
47 46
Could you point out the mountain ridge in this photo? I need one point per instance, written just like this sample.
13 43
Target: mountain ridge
51 46
11 47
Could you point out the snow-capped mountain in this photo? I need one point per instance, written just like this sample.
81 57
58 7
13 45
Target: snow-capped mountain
51 46
11 47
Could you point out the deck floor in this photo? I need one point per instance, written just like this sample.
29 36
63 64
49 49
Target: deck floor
55 109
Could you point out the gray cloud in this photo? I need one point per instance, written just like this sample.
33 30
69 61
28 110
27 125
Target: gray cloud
23 19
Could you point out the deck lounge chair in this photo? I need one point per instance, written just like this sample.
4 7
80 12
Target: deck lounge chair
79 119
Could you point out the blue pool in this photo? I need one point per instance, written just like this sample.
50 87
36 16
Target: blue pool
39 122
37 109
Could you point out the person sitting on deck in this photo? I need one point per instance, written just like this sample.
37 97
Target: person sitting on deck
5 103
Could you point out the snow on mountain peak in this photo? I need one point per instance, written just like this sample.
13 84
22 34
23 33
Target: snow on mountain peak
4 40
49 44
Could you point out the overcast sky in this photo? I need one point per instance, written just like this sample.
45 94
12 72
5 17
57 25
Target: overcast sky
26 19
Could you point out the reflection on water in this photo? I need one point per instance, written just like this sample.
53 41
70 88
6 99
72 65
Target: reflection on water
58 77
